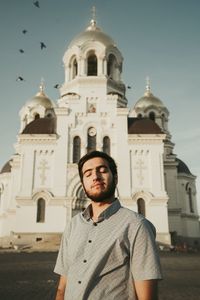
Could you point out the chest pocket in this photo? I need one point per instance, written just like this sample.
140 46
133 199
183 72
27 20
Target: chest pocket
116 257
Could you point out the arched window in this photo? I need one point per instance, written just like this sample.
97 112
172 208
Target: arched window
106 145
139 116
37 116
49 115
111 67
40 211
152 116
92 65
74 68
76 149
91 139
163 121
190 200
141 206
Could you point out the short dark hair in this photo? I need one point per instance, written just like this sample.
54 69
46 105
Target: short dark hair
92 154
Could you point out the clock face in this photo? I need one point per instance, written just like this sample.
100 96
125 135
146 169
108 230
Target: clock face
92 131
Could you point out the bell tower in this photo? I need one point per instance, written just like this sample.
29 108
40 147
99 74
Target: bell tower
93 65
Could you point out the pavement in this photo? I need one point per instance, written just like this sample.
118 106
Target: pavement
29 276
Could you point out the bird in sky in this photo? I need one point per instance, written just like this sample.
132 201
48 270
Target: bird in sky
128 87
21 50
57 86
19 78
24 31
42 45
37 4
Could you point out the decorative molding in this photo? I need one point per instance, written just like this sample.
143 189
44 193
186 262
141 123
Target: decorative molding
37 138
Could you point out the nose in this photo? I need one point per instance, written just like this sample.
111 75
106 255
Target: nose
96 175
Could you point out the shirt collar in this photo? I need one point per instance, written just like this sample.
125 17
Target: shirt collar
108 212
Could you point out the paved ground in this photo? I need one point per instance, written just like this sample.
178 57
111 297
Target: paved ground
29 276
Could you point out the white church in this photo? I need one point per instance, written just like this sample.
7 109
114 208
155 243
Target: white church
40 189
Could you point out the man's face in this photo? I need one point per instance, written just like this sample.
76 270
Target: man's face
98 182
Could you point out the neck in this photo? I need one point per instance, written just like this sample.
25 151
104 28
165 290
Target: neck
99 207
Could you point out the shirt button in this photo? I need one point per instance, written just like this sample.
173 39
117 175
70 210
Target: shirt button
79 282
85 261
89 241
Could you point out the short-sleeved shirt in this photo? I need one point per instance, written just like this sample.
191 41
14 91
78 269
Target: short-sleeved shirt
101 260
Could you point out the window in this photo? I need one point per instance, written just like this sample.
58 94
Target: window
91 139
141 206
92 65
152 116
111 66
106 145
37 116
76 149
40 211
190 200
74 68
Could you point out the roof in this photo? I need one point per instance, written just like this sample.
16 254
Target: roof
41 126
7 167
92 33
143 126
40 99
182 167
149 100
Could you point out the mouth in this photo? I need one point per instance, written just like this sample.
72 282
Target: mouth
98 185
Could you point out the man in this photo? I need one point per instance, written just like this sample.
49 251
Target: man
108 252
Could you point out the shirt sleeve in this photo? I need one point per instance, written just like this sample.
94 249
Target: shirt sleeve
61 266
145 261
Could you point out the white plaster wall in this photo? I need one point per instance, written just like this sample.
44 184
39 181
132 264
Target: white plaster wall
55 219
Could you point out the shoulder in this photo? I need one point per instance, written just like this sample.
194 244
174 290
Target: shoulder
137 220
131 215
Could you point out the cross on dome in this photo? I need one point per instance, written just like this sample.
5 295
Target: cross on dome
148 87
42 86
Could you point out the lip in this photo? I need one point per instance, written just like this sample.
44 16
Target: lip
96 185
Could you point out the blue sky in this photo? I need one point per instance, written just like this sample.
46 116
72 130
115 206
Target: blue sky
157 38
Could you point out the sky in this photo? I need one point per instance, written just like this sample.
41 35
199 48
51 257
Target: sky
157 38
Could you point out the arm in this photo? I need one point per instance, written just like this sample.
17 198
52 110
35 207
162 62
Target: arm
146 289
61 288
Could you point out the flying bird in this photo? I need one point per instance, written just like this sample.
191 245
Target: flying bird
21 50
128 87
19 78
42 45
24 31
57 86
37 4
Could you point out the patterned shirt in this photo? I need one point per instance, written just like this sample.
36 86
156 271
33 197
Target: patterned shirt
101 260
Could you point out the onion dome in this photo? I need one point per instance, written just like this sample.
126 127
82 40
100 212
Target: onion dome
40 99
182 167
92 33
148 100
7 167
41 126
143 126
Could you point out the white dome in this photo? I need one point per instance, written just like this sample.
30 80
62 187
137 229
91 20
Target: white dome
40 99
149 100
92 33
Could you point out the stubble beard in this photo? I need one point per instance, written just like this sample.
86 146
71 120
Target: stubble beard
103 196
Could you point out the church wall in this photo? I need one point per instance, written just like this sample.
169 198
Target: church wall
171 186
175 222
27 170
61 153
120 153
55 219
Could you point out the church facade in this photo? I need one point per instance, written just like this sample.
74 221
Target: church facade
40 190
